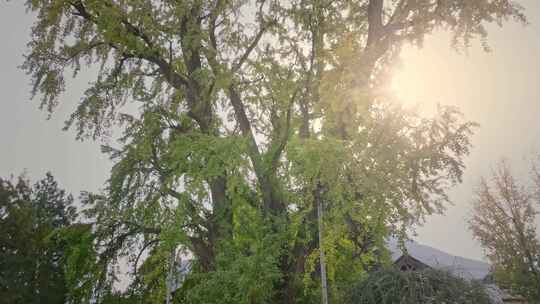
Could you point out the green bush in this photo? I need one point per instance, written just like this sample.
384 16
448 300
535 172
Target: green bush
417 287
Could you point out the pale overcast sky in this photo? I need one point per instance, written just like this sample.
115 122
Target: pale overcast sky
499 90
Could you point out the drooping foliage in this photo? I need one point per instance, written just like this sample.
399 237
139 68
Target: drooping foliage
429 286
504 222
238 118
31 254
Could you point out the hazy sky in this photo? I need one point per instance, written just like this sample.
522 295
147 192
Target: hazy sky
499 90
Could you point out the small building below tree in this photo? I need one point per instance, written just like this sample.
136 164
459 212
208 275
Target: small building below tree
419 257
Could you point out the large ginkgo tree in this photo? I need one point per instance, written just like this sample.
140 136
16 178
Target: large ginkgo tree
238 119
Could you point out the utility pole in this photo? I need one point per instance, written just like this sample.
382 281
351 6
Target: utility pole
324 287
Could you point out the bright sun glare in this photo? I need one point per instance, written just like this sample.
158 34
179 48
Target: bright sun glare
413 84
405 85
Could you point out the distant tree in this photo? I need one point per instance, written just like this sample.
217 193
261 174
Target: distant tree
239 119
391 286
504 222
31 255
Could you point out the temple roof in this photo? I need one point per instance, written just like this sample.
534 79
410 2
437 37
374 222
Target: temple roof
437 259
